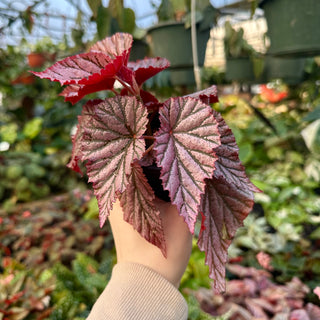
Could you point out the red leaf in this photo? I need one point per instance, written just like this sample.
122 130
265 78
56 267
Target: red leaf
149 99
14 297
139 209
85 68
75 92
126 75
228 164
95 70
184 147
209 95
147 68
225 207
88 111
110 143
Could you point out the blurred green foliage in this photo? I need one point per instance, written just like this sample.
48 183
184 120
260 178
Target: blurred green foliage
35 128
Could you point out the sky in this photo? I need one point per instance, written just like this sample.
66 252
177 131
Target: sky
55 27
143 8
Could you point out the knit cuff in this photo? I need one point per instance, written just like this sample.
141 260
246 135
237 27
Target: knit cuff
138 292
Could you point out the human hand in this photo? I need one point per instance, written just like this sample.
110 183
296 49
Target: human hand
132 247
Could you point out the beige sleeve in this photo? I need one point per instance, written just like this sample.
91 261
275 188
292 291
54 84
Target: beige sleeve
136 292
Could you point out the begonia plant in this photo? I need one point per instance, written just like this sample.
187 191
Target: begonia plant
124 138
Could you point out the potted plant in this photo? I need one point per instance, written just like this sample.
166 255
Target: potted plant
292 26
171 36
42 51
127 140
243 62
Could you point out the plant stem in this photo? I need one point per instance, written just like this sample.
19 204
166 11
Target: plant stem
148 138
128 87
148 150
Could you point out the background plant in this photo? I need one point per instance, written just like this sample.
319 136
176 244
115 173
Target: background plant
34 130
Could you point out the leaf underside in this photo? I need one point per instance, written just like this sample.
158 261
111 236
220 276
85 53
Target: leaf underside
147 68
110 143
75 92
139 209
184 151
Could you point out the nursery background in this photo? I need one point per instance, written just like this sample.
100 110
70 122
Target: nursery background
55 259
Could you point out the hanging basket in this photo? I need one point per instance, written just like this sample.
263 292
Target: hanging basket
173 41
240 70
182 76
293 27
139 50
290 70
36 60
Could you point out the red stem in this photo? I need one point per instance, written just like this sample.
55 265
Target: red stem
149 138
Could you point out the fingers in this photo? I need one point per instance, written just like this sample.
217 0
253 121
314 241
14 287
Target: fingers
131 247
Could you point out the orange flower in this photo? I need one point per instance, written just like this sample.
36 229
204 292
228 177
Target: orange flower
272 95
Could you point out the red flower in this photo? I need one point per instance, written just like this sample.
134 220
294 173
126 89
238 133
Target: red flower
271 95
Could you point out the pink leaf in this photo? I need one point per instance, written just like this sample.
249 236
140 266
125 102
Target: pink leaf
139 209
110 143
184 147
243 272
228 164
264 260
88 111
117 45
225 206
147 68
255 309
148 159
209 95
317 291
313 311
299 314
